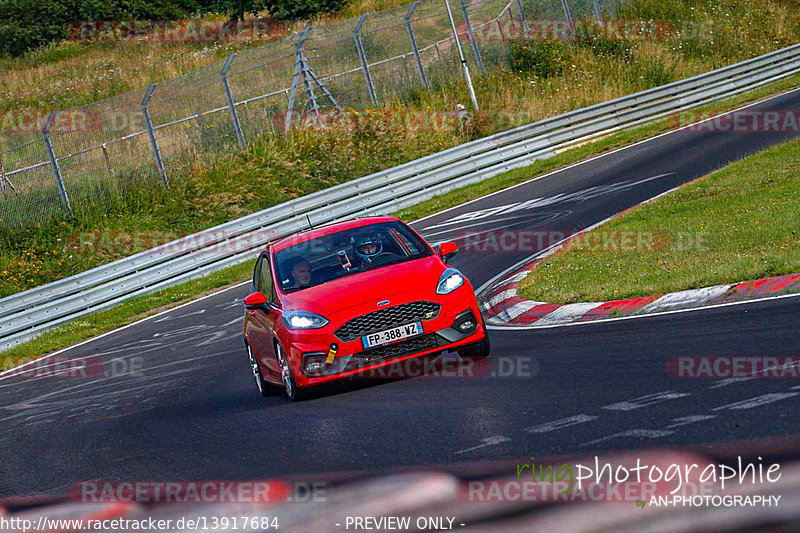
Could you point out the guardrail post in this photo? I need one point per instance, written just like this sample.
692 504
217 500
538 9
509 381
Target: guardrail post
475 50
152 134
363 58
231 103
568 17
298 70
54 162
464 66
414 42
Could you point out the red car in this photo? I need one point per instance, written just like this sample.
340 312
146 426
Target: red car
339 300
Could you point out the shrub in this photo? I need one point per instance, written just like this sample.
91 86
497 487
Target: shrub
543 59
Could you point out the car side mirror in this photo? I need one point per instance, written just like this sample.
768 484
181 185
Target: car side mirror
447 250
257 300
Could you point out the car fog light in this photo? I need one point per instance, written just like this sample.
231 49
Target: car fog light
466 325
314 364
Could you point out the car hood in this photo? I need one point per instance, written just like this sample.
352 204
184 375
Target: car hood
419 277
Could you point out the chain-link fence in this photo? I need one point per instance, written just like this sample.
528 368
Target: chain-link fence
82 158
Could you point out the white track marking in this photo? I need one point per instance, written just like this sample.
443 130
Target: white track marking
758 401
686 420
636 433
560 424
488 441
728 381
645 401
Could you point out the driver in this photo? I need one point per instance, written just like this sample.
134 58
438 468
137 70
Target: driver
368 247
301 273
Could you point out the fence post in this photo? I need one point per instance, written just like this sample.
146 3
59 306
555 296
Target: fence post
151 132
231 103
467 77
309 87
54 162
364 65
298 70
475 50
414 42
521 11
108 160
597 12
568 16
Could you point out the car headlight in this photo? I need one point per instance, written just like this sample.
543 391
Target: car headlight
304 320
451 280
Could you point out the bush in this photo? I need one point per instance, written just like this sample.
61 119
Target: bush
28 24
602 48
295 9
543 59
652 73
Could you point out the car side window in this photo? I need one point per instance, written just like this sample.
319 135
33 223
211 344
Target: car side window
265 279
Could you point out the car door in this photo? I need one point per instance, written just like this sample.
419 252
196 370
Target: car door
262 321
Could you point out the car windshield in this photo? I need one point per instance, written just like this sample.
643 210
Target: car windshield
316 261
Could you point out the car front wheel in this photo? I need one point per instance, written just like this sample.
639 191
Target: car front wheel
263 386
289 384
479 350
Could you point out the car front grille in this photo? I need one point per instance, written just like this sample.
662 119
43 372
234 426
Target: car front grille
393 351
387 318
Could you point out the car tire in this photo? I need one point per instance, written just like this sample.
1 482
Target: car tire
264 388
287 377
479 350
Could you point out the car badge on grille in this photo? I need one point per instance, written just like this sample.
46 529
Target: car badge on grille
383 302
429 314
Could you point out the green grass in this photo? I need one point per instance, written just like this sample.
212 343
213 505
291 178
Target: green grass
143 306
739 223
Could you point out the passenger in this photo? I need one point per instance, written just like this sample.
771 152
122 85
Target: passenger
301 273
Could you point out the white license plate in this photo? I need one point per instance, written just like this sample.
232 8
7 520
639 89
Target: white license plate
392 335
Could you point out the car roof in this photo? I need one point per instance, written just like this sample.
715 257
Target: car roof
328 229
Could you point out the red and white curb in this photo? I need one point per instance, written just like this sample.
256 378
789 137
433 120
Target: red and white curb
502 305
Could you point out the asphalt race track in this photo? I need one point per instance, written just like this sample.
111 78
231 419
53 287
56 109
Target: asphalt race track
183 406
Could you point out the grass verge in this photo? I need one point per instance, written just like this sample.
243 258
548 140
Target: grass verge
142 306
738 223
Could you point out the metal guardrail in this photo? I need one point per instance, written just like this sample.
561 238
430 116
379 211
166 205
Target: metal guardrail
29 313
